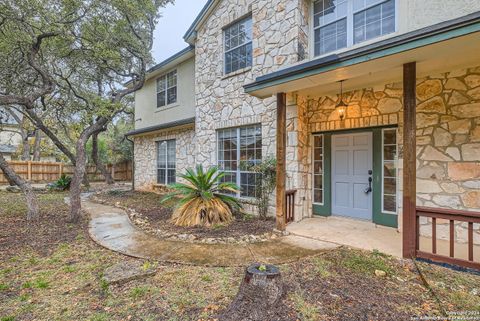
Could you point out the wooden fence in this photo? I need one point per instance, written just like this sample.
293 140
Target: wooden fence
44 172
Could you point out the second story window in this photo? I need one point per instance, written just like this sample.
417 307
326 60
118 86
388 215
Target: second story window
238 45
339 24
167 89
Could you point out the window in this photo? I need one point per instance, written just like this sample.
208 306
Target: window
318 169
166 167
330 25
238 45
238 149
339 24
389 171
167 89
373 22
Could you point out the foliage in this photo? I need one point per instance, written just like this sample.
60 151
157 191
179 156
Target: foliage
265 185
203 198
61 184
113 148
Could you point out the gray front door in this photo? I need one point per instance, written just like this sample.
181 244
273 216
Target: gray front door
351 170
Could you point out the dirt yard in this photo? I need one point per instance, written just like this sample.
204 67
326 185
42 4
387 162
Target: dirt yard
52 271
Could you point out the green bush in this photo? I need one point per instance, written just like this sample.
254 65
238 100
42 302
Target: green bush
62 184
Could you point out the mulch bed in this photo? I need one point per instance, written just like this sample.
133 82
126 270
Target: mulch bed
157 216
40 236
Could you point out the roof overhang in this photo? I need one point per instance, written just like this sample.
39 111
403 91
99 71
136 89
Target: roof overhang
171 62
158 128
443 47
191 33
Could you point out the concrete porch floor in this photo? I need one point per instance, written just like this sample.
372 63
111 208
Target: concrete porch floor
368 236
350 232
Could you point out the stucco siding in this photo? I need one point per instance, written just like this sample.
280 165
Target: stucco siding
146 111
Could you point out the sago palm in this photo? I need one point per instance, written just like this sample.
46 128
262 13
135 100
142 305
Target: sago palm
203 198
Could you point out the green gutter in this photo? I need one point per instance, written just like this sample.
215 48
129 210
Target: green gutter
429 40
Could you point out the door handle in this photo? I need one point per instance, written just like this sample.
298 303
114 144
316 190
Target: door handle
369 188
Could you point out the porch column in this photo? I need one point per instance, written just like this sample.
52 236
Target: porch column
281 159
409 160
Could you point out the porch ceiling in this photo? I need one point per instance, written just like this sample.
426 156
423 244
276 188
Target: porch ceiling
445 56
453 49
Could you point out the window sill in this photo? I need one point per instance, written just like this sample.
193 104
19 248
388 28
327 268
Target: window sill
159 109
237 72
355 46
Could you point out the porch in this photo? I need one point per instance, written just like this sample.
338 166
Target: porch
398 147
369 236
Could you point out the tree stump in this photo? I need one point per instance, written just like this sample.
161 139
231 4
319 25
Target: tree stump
260 292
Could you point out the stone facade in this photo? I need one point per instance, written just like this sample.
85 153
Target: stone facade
146 154
448 147
279 39
448 139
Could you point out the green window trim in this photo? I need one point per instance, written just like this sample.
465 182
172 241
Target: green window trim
325 209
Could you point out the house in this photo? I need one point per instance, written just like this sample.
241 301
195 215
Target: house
13 134
371 107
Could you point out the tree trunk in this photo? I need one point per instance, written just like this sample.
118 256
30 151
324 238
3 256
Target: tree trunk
26 188
25 148
96 159
36 146
40 125
78 176
259 296
80 169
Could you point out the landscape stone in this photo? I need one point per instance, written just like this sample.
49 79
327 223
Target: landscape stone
466 111
471 199
429 89
428 186
442 137
389 105
433 154
457 99
434 105
464 171
455 83
472 81
471 152
461 126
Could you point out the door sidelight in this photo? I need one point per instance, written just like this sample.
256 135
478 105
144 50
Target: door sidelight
370 179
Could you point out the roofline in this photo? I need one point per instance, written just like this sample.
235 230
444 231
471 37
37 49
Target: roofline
149 129
191 32
450 29
175 56
165 62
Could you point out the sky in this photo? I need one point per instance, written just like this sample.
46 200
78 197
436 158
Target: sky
176 19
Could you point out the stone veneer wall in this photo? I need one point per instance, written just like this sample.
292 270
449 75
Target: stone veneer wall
448 139
279 29
448 147
146 154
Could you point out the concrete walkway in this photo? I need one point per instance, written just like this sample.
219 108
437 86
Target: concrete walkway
110 227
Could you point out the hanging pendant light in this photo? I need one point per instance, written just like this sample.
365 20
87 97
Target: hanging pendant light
341 105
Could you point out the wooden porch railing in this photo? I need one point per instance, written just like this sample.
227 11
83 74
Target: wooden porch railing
290 205
450 215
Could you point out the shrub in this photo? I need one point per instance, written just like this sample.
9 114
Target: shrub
62 184
203 198
265 184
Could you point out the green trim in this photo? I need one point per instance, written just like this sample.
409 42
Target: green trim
379 217
429 40
326 208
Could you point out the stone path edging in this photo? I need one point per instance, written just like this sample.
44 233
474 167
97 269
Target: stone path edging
111 228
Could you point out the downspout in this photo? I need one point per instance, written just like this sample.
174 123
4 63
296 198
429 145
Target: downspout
133 162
